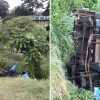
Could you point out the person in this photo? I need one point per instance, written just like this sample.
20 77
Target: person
13 70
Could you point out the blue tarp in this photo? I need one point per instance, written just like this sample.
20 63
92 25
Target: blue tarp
25 76
97 93
14 68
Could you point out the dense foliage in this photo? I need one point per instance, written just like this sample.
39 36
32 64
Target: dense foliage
29 39
21 11
62 47
3 8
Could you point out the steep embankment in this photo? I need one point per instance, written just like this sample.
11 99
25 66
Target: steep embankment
61 88
62 48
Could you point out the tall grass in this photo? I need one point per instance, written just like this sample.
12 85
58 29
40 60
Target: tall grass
62 48
21 89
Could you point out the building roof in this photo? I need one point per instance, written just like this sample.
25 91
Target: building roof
41 18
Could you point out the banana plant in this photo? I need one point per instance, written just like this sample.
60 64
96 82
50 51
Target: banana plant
33 57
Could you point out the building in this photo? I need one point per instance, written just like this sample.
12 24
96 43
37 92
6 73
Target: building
42 20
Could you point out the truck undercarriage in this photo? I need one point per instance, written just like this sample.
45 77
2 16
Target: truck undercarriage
84 66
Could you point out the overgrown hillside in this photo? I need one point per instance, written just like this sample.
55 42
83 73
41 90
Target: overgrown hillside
62 48
24 43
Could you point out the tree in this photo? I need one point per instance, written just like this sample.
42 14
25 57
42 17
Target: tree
47 11
20 11
3 8
35 5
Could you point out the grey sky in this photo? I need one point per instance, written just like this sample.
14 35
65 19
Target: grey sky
13 3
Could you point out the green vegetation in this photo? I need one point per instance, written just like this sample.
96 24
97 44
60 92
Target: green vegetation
62 48
25 43
3 8
61 88
20 89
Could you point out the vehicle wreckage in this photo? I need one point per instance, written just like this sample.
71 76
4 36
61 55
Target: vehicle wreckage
84 66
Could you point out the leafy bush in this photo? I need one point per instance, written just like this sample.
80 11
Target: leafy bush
85 95
6 19
29 39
